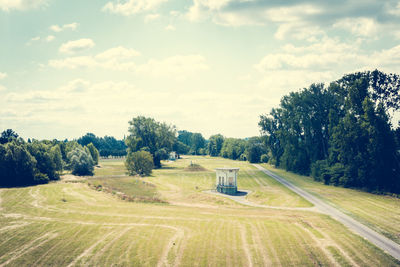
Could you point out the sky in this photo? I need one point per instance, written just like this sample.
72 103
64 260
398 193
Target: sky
208 66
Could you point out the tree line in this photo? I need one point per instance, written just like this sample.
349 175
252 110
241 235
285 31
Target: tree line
37 162
107 145
339 133
150 141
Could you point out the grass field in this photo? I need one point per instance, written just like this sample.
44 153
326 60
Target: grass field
380 212
72 224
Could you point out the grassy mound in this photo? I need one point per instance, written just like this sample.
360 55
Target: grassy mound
193 167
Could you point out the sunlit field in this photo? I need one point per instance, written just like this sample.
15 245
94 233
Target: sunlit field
74 223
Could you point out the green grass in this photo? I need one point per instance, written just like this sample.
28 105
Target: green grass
127 188
110 167
61 223
177 182
380 212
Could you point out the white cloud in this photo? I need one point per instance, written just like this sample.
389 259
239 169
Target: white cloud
151 17
106 107
50 38
393 9
294 67
73 62
3 75
55 28
118 53
301 20
326 54
72 26
299 31
8 5
358 26
37 38
174 13
251 13
170 28
120 59
76 46
131 7
177 66
75 86
2 88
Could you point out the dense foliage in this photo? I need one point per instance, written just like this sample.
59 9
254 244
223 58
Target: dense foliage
107 145
24 163
341 133
37 162
94 153
81 162
139 162
215 144
195 142
146 134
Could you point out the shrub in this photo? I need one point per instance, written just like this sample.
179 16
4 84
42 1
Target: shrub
94 153
264 158
140 162
81 163
318 169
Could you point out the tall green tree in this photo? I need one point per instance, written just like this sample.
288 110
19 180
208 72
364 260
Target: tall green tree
149 135
94 153
255 147
215 144
198 142
139 162
81 163
340 133
7 136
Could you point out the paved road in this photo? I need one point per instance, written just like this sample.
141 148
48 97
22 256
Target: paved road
377 239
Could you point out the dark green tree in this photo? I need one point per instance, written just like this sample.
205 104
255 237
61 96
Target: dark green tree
94 153
198 142
139 162
81 163
149 135
7 136
215 144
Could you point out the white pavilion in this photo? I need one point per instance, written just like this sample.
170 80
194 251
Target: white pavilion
226 180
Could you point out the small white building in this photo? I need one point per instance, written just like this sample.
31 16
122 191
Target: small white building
172 155
226 180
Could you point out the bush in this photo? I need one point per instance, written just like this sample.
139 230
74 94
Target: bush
319 169
18 166
264 158
45 160
140 162
94 153
81 163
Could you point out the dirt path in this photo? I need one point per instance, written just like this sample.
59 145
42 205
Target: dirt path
171 244
377 239
245 246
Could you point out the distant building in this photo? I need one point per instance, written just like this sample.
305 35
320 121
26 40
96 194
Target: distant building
172 155
226 181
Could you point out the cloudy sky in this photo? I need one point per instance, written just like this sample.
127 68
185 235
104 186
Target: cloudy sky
209 66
